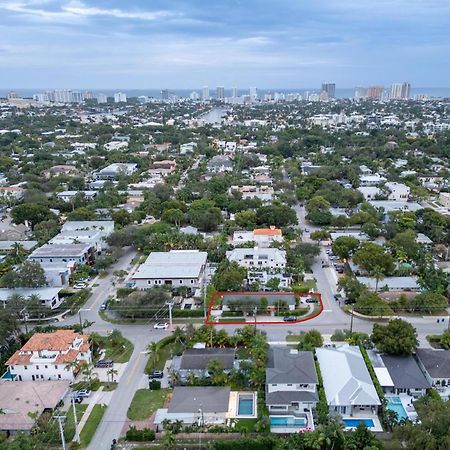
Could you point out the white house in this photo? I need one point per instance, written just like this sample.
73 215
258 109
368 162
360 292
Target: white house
346 380
291 387
63 255
177 268
49 296
68 196
262 237
398 192
258 258
47 356
371 180
115 170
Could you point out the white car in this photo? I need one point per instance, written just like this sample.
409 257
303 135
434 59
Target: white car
80 286
161 326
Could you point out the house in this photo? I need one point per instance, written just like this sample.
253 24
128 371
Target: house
371 180
291 386
63 255
346 380
189 147
47 356
12 192
12 246
219 163
258 258
262 237
115 170
207 405
62 169
398 192
88 231
49 296
165 164
409 283
177 268
68 196
195 361
18 399
262 278
264 193
399 375
444 199
436 367
388 205
369 192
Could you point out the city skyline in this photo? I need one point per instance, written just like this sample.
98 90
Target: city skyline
255 43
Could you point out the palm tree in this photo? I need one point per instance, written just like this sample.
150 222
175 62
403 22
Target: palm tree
168 441
179 337
95 339
153 353
87 372
111 373
73 366
174 378
378 274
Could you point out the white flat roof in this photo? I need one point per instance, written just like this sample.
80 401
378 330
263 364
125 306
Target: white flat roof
383 376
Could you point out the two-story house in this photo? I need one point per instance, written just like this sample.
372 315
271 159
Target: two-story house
262 237
50 356
291 389
258 258
63 255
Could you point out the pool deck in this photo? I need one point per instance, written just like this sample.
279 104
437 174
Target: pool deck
233 405
408 406
287 430
365 415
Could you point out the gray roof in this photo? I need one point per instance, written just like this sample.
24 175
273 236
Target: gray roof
435 362
391 282
287 397
173 264
9 245
286 365
209 399
346 379
44 293
198 358
391 205
405 372
60 250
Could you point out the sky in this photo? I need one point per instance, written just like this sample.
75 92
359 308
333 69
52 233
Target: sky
187 44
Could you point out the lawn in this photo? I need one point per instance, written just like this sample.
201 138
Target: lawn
146 402
69 427
92 424
292 338
120 353
164 353
245 425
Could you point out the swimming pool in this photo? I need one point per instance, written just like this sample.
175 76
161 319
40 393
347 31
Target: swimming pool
395 404
245 405
353 423
287 421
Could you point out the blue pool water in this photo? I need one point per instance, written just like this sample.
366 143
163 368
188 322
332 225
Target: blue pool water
287 421
395 404
353 423
245 405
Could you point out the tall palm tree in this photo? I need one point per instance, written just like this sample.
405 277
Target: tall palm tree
95 339
378 274
87 372
73 366
153 353
112 373
179 336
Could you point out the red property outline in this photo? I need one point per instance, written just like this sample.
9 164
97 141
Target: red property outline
253 294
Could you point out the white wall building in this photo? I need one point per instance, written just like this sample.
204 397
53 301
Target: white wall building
258 258
399 192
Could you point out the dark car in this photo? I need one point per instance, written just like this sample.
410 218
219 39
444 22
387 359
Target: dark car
104 363
338 297
78 399
290 318
347 301
311 300
156 374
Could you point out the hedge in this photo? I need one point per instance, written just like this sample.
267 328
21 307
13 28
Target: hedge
145 434
188 313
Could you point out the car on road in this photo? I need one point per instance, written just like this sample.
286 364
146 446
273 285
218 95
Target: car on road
83 393
104 306
104 363
306 230
325 265
156 374
80 286
290 319
161 326
78 399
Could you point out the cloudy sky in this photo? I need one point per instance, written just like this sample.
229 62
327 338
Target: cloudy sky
191 43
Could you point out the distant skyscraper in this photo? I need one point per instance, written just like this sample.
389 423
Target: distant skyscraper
234 92
360 92
220 92
396 91
205 93
102 98
63 96
194 95
406 90
253 93
77 97
330 89
375 92
165 94
120 97
12 95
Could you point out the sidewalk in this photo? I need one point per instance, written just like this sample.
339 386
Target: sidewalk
89 409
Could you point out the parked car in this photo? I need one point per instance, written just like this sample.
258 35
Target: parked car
347 301
83 393
80 286
311 300
104 306
156 374
104 363
290 319
160 326
337 297
78 399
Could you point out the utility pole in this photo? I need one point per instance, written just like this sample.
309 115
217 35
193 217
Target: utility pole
60 420
77 434
255 311
351 319
170 305
81 323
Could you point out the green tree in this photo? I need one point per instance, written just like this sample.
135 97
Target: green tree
32 213
310 340
320 235
229 276
371 255
398 337
173 216
153 353
29 274
429 302
344 246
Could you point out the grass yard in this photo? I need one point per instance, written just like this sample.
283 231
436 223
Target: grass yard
292 338
146 402
69 427
111 386
164 353
120 353
92 424
245 425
